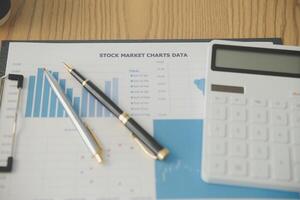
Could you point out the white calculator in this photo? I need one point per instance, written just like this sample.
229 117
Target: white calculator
251 133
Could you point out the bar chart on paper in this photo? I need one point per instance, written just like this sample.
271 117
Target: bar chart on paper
42 101
144 92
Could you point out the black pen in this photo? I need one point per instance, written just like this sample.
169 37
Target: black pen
140 135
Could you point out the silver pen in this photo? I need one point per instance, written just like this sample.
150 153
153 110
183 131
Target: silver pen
88 137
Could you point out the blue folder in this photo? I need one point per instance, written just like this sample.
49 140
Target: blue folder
179 176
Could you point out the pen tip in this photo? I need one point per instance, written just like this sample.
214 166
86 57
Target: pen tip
68 67
98 158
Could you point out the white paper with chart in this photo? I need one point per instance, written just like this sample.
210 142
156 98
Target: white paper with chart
149 80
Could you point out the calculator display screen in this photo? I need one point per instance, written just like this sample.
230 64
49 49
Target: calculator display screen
256 60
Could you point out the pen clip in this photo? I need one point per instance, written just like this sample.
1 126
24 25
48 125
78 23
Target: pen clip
144 148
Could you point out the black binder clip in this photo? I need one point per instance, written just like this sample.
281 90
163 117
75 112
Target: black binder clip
19 78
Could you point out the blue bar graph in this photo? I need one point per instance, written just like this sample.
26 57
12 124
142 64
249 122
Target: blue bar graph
53 99
42 101
38 93
84 103
76 104
99 109
69 94
29 103
60 108
91 106
46 96
107 91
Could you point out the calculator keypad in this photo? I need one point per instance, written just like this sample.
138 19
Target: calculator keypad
259 132
260 169
258 115
253 140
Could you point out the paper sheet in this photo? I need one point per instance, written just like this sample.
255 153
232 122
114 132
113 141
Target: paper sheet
149 80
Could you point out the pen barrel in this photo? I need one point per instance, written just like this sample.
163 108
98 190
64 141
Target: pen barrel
103 99
77 76
140 134
85 133
144 137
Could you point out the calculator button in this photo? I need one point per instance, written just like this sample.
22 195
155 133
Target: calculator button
258 102
237 167
295 132
279 104
296 154
237 113
218 112
217 166
237 148
258 132
260 169
258 116
217 147
279 118
237 131
217 129
295 118
281 162
219 99
238 100
259 151
280 134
